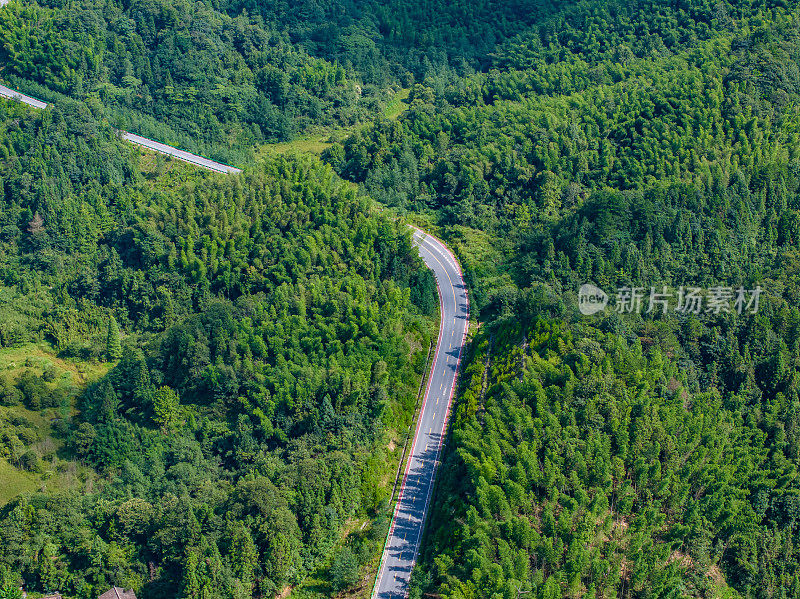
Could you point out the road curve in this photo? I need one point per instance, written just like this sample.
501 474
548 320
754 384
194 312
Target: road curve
405 534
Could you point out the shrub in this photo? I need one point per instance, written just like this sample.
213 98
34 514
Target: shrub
29 461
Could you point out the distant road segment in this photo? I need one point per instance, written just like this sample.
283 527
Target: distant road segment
144 142
402 545
7 92
179 154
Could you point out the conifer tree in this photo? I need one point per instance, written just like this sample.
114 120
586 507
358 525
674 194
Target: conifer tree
113 343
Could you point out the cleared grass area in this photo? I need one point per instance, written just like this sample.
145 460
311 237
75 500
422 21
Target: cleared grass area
154 166
53 470
55 476
397 105
14 481
37 356
310 143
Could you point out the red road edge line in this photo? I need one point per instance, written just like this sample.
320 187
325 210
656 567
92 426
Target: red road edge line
416 432
422 409
449 403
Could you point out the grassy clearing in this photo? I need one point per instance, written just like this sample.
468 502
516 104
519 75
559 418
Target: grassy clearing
397 105
316 142
14 482
57 475
309 143
37 357
52 472
154 165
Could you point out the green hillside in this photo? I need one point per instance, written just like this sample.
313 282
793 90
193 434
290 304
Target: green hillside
204 380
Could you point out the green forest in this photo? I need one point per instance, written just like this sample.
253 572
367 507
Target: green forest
206 381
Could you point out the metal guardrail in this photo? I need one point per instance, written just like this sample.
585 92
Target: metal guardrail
12 94
138 140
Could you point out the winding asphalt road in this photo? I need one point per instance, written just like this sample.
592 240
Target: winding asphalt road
402 545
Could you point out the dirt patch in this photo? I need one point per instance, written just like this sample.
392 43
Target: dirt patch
284 593
682 559
716 575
